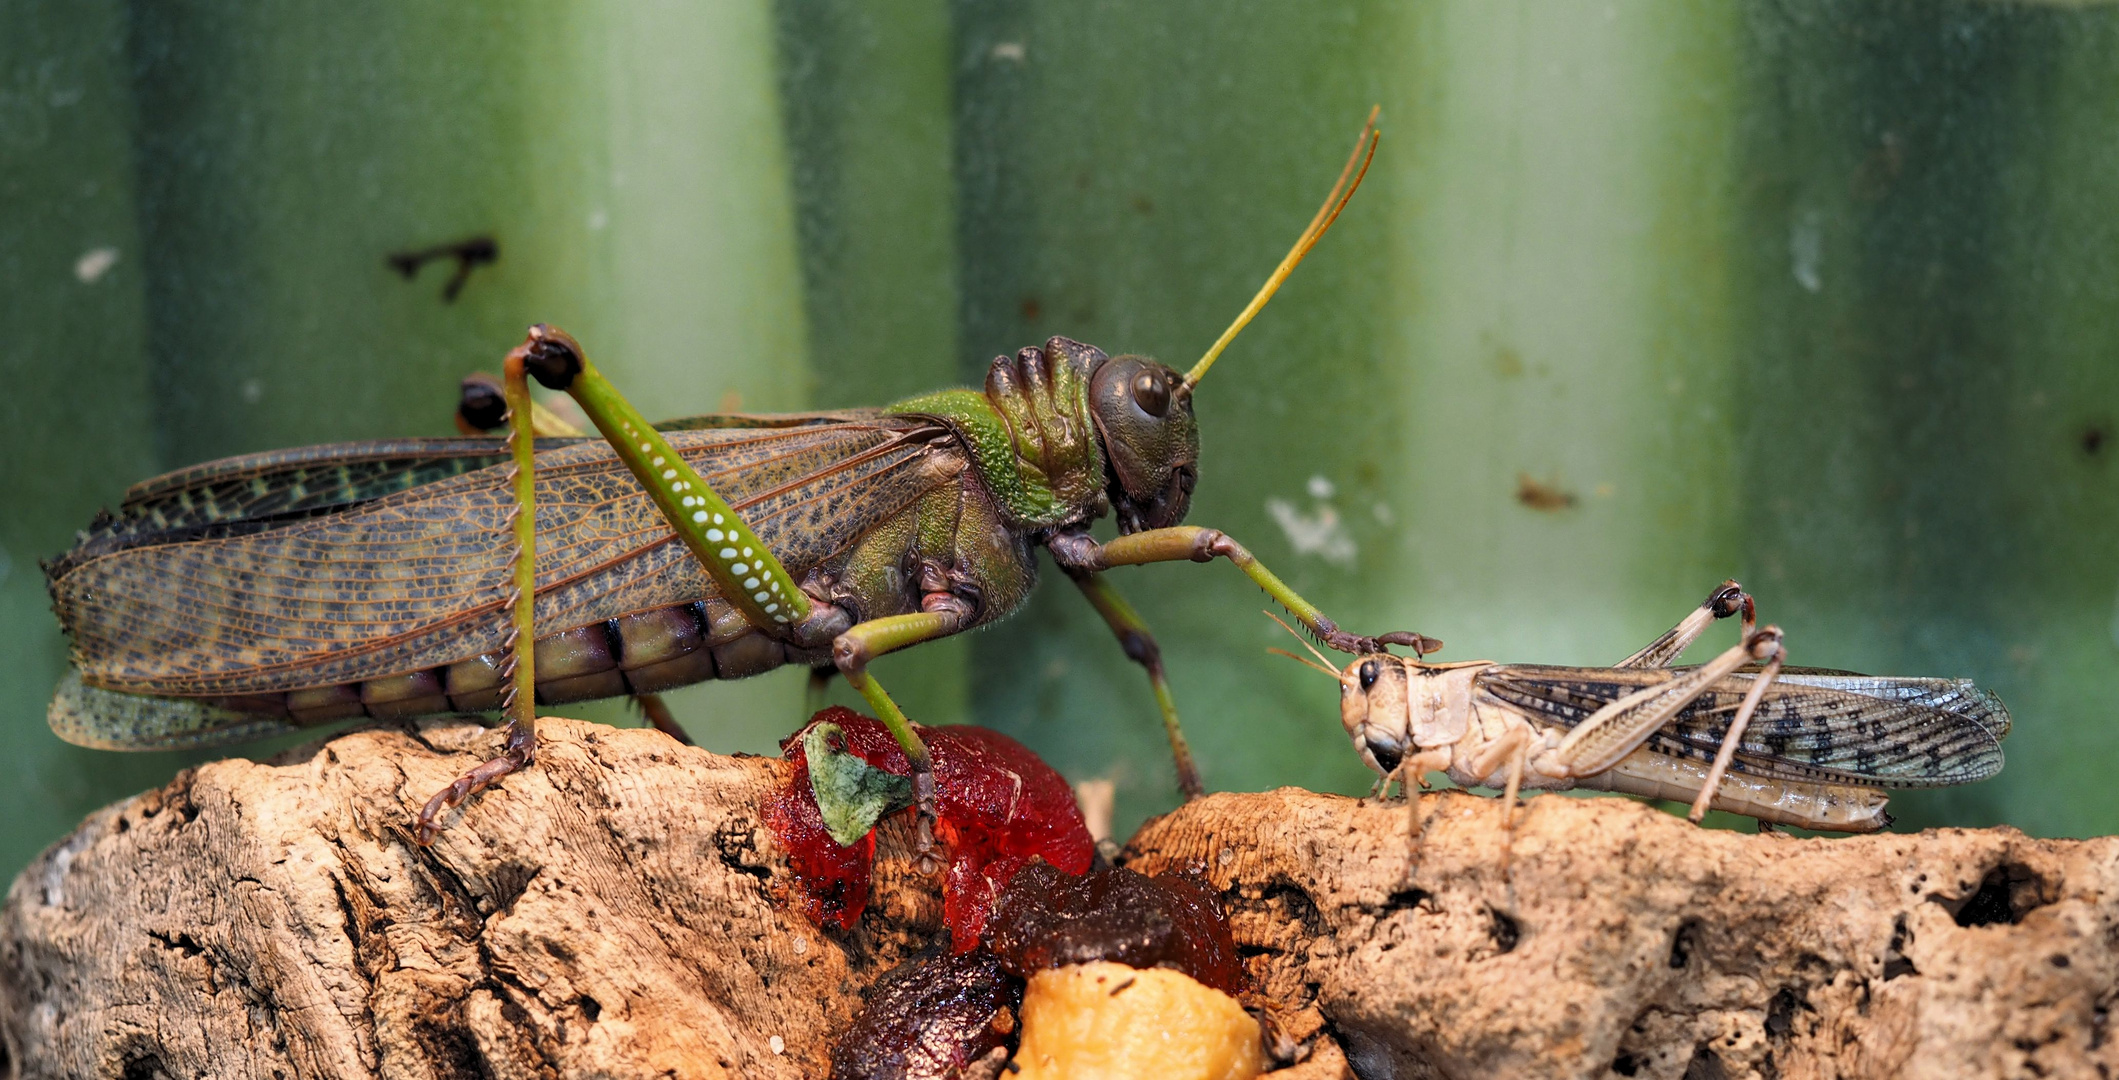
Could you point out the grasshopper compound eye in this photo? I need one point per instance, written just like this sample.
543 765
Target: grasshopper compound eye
1368 674
1151 393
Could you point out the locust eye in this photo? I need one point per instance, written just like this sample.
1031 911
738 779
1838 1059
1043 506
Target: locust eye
1369 671
1151 393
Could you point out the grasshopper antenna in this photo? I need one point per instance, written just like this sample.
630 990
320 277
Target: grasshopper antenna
1304 661
1318 663
1357 166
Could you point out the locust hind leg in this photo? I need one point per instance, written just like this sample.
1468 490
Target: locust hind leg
657 712
1078 552
1140 646
1620 727
1762 645
1728 598
819 684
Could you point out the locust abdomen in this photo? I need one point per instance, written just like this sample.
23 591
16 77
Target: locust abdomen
1801 804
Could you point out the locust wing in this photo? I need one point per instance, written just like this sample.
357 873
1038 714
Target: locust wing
1812 725
281 586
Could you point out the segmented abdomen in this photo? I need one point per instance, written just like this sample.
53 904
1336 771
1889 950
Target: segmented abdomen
643 653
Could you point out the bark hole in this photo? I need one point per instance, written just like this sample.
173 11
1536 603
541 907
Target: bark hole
2008 893
1683 943
1503 930
1896 962
1780 1012
1705 1065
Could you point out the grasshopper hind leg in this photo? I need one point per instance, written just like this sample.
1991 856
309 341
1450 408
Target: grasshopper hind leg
520 750
519 753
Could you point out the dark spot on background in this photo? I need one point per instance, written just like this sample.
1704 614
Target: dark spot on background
1542 495
2095 438
1031 309
467 254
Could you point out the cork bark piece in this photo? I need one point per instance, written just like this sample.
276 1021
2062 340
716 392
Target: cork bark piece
620 911
1617 940
611 912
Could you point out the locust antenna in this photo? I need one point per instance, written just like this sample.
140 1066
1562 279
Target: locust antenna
1357 166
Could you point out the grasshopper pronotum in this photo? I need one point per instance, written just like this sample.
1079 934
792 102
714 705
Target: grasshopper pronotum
1743 732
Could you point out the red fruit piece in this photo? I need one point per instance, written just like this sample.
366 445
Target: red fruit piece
997 806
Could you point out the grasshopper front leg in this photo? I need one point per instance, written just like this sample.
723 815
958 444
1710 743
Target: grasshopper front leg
1078 552
1083 559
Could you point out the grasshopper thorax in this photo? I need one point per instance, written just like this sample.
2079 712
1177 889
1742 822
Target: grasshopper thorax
1392 706
1143 416
1074 432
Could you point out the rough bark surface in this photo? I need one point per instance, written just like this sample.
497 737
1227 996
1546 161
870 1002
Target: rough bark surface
1616 940
611 912
620 911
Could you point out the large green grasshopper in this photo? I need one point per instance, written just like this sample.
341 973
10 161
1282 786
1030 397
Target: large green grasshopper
276 591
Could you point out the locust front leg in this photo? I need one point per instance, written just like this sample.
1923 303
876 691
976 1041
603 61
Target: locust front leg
1078 552
745 572
1140 646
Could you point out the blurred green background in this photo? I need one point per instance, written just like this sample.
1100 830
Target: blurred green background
1640 295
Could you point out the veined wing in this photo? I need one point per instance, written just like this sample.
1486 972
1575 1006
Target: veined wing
1849 729
1959 696
254 493
419 579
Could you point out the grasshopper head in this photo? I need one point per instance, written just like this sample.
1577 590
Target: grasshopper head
1144 415
1373 709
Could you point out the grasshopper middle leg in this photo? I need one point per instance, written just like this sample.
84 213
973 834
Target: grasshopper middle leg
1140 646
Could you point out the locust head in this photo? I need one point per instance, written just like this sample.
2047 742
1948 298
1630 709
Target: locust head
1373 707
1143 414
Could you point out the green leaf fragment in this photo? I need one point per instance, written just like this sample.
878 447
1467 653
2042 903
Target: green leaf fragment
852 795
